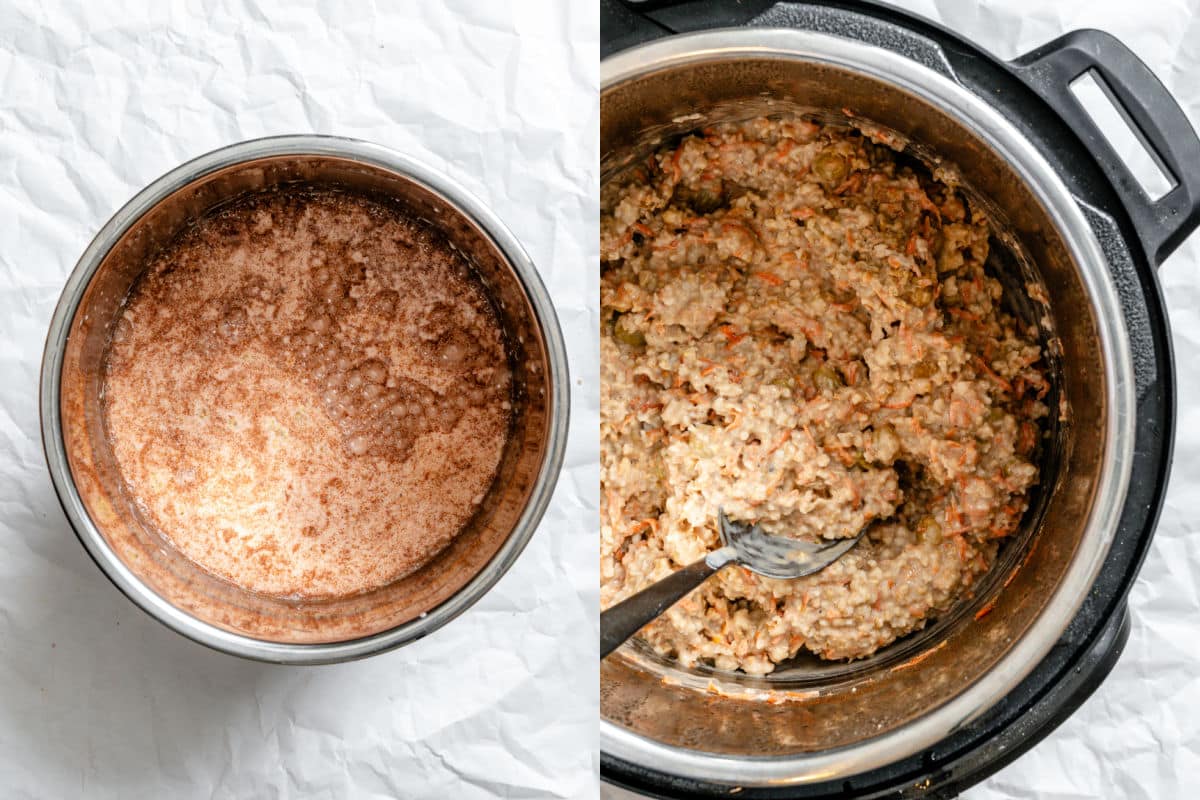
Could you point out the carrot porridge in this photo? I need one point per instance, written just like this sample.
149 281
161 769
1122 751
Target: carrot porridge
799 329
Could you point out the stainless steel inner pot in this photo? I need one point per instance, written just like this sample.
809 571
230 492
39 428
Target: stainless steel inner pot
152 572
811 722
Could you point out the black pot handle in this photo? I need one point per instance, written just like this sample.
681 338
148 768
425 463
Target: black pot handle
622 27
625 23
1149 108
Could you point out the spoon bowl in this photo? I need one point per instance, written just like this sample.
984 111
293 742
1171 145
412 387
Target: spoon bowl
747 545
774 556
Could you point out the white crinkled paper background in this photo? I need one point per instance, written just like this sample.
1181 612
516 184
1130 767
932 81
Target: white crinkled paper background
98 700
1138 737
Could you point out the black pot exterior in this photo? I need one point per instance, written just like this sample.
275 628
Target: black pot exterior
1135 236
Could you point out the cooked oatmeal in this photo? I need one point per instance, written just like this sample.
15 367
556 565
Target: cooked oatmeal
799 328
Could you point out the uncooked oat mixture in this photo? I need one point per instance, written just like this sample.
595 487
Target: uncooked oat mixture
307 394
800 330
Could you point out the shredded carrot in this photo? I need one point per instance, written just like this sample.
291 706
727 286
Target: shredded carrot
962 547
640 526
911 248
851 184
1026 437
851 372
995 376
912 662
731 334
983 612
812 329
810 436
769 277
962 459
804 213
740 226
778 444
925 203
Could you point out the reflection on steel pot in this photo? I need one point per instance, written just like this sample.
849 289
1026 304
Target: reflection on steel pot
923 711
154 574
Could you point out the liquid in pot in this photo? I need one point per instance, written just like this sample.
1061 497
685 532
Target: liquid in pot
307 394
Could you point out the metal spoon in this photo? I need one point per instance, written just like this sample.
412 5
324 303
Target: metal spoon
746 545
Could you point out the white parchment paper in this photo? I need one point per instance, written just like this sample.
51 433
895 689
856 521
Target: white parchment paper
97 700
1139 735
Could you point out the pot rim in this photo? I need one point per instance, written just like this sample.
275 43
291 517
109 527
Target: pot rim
1067 215
372 155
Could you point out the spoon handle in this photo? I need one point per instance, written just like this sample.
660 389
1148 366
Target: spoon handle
634 612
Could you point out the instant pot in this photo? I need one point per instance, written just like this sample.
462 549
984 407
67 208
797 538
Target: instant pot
160 579
943 709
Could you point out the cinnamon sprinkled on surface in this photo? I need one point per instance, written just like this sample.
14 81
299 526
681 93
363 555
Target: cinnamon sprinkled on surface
307 394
